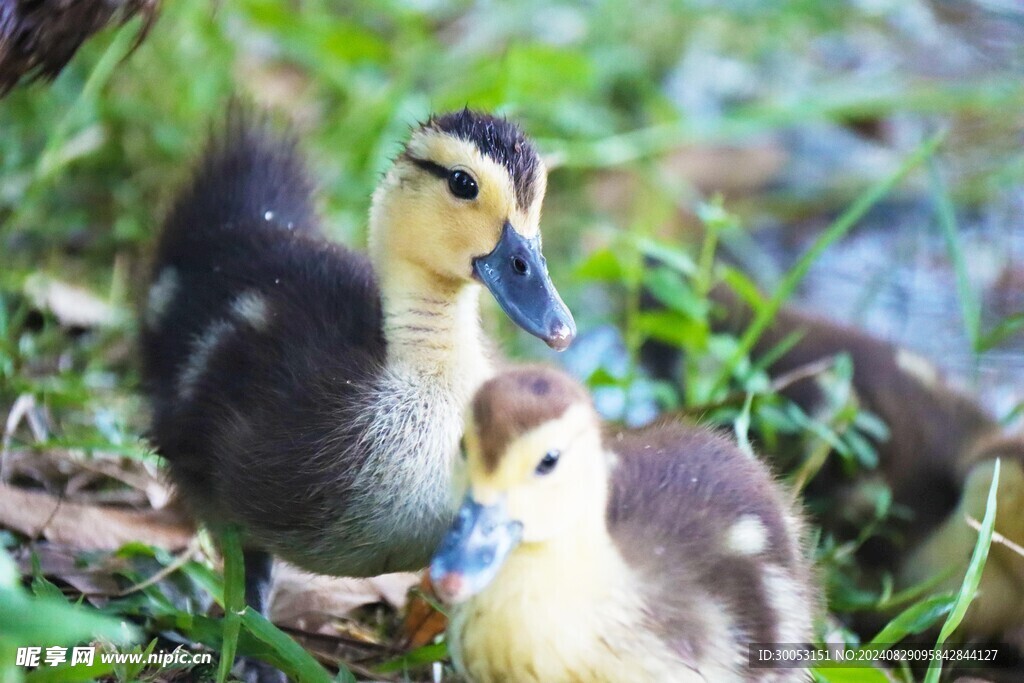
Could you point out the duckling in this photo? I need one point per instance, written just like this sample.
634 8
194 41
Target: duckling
931 424
998 609
312 396
655 555
926 416
39 37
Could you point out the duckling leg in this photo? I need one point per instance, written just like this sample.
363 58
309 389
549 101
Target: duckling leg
259 567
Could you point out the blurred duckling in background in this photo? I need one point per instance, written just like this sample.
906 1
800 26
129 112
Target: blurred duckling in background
932 426
938 463
998 609
39 37
313 396
656 555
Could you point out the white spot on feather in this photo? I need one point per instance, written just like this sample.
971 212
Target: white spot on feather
792 605
161 294
917 367
203 349
251 307
748 536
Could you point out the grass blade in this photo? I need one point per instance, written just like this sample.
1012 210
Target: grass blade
421 656
297 662
234 599
917 618
969 307
1006 328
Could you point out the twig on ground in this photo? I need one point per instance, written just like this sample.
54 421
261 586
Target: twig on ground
996 536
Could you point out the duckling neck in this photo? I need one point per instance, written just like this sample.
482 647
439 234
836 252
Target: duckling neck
433 328
588 543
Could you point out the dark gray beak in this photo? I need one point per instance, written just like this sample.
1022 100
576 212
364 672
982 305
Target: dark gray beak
517 275
473 550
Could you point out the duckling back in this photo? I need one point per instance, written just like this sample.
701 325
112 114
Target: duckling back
716 546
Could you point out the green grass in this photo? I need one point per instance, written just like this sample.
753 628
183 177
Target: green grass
89 162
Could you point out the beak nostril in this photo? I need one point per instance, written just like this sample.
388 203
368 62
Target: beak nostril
520 266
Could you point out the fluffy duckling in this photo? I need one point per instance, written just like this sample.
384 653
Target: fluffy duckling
932 426
656 555
999 607
39 37
313 396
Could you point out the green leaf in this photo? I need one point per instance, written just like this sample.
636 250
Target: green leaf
747 290
671 328
916 619
851 675
871 424
1006 328
862 449
427 654
47 621
69 674
672 257
668 287
603 265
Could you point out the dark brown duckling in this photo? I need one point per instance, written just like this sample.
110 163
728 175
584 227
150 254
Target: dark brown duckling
39 37
656 555
938 463
313 396
931 424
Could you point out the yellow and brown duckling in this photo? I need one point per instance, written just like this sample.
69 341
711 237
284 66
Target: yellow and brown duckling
655 555
313 396
998 609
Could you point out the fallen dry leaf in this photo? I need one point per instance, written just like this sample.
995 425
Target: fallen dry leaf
312 602
73 306
63 562
90 527
422 623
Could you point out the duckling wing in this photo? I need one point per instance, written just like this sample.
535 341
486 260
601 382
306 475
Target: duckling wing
715 547
260 338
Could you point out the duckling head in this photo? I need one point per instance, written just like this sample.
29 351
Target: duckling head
1009 494
462 204
535 473
998 607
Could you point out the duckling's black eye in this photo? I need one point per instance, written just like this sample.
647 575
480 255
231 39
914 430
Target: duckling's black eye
462 185
547 463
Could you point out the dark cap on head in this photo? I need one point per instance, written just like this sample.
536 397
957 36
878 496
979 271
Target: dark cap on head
518 400
500 140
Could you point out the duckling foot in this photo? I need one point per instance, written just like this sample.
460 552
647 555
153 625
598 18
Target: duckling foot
259 566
